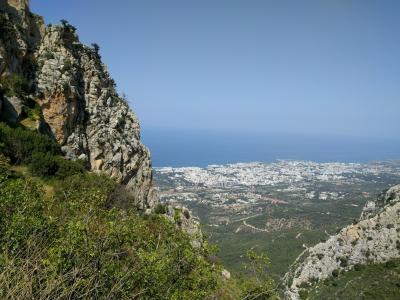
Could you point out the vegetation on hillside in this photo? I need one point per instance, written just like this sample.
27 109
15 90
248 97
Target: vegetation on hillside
373 281
62 237
14 85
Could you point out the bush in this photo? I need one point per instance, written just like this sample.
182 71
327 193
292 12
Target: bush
34 113
67 26
335 273
303 294
160 209
67 65
43 164
20 144
344 261
22 222
66 168
358 267
4 163
261 285
14 85
391 264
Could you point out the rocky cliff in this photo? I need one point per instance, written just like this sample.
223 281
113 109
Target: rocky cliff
74 97
374 239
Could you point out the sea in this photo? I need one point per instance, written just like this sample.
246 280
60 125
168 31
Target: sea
184 147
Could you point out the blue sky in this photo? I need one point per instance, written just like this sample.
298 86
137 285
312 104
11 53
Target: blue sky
272 67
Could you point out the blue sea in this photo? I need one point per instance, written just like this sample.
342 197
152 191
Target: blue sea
178 148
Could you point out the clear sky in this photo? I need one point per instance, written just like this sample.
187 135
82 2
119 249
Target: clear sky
298 67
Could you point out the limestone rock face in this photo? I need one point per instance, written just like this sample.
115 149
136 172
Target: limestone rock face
86 115
373 239
18 4
185 221
77 96
385 198
21 31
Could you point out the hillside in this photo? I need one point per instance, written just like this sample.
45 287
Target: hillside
369 282
374 239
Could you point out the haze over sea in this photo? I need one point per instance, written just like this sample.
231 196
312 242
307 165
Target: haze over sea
178 148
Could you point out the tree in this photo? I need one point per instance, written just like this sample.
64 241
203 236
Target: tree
96 49
64 22
261 286
67 26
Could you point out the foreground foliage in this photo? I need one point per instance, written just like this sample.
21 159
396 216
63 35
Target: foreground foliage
74 243
373 281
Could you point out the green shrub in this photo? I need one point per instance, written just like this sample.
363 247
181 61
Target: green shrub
160 209
34 113
68 27
14 85
390 264
177 216
4 163
303 294
43 164
67 65
48 55
335 273
344 261
20 144
22 222
358 267
66 168
260 285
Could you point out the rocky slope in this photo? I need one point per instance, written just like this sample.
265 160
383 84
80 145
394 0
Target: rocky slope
78 102
375 238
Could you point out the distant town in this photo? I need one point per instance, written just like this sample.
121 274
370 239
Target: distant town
236 186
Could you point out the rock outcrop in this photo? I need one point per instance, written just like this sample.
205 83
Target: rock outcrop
77 98
374 239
